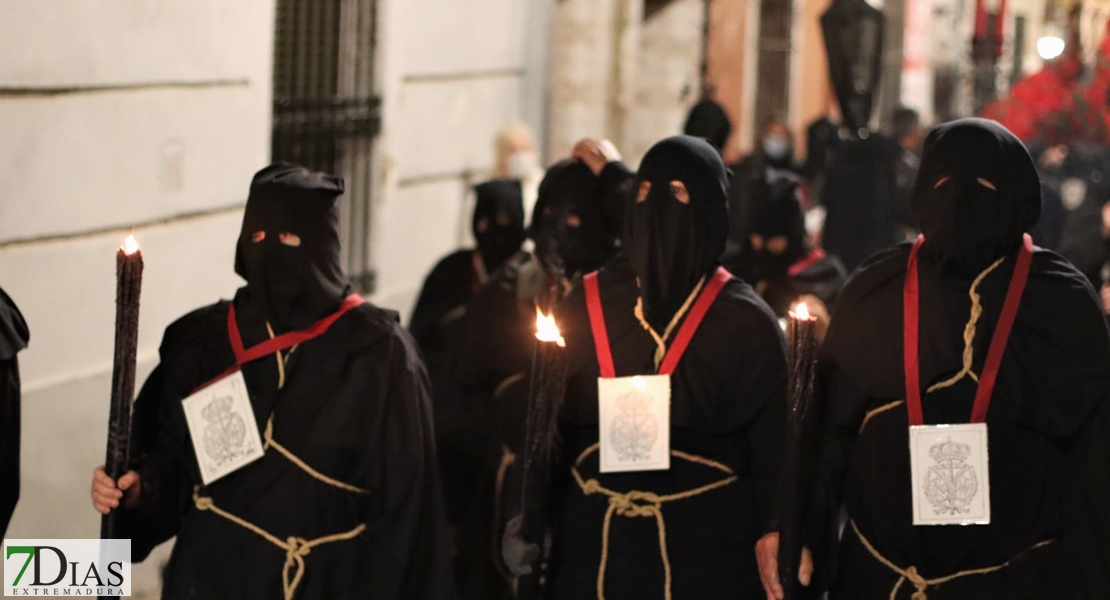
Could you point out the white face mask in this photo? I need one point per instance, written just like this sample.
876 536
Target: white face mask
776 147
523 164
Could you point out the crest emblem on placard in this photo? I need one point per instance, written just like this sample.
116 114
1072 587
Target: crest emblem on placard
635 430
225 435
951 484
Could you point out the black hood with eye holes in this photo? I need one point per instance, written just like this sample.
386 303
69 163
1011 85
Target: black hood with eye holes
571 191
291 287
967 224
671 245
500 204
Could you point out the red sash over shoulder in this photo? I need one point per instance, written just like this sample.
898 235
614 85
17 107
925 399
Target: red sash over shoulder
681 340
911 298
281 342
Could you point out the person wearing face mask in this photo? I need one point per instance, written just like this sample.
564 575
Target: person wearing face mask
766 177
675 394
13 339
518 159
572 236
777 147
438 325
785 267
972 328
285 437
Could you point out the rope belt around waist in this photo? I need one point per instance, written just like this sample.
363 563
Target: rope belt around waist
296 548
637 503
922 584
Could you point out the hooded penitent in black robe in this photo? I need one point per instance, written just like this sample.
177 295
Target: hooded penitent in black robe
573 228
13 338
797 270
727 404
860 197
1049 419
438 326
352 404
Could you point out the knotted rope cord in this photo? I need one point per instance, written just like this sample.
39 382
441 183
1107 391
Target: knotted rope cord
281 360
661 340
296 548
910 573
624 504
969 350
969 331
508 458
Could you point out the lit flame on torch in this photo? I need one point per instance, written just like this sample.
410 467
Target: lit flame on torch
130 246
801 311
547 330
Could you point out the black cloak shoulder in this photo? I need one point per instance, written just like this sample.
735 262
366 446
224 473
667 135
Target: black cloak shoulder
14 334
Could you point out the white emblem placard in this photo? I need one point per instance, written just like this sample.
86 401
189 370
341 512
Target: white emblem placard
950 471
634 417
222 425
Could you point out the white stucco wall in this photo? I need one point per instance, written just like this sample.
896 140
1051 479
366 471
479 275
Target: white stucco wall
118 114
453 74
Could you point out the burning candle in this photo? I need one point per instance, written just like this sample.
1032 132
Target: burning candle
547 330
129 277
544 402
799 395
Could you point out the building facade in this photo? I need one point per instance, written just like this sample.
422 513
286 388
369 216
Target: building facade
151 117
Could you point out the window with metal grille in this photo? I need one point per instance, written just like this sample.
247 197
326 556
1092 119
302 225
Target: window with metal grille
773 82
326 112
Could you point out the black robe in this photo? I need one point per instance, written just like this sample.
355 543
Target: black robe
438 326
859 195
496 356
447 289
1049 435
727 405
355 407
13 338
